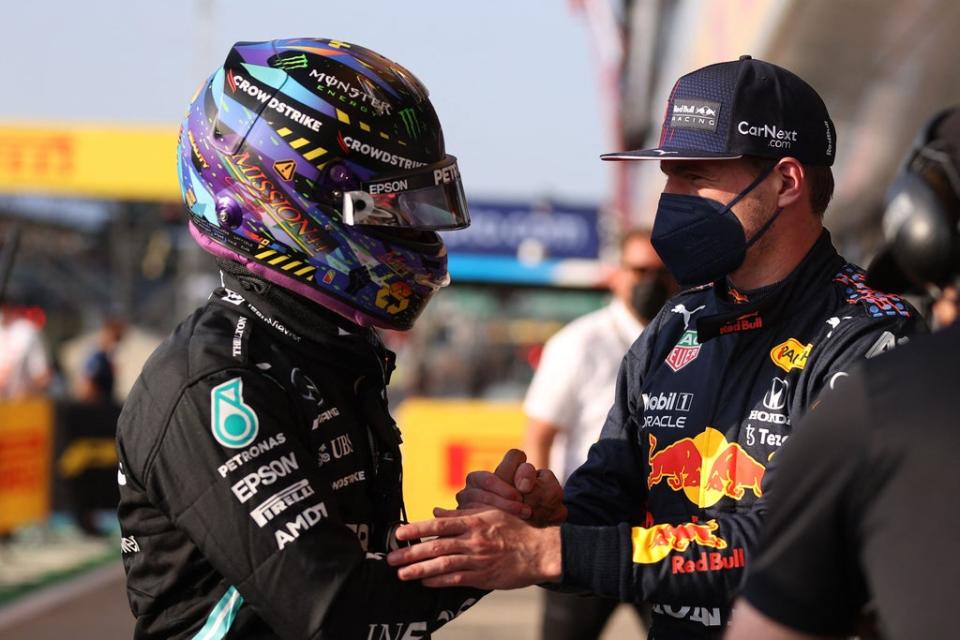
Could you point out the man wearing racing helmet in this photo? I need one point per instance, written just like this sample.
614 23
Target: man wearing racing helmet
260 475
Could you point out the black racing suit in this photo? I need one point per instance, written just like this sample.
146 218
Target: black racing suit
260 481
668 505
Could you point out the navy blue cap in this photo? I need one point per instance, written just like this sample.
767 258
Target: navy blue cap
746 107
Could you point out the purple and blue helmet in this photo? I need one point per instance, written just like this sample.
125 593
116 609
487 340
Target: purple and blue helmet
320 166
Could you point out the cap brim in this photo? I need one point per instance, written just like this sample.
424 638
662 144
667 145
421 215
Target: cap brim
669 154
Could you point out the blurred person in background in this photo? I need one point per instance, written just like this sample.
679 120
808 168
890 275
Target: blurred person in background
859 533
571 392
24 366
97 383
260 471
667 508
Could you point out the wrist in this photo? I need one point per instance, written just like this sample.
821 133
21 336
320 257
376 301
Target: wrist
549 554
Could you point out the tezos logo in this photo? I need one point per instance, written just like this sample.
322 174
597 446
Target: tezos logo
233 422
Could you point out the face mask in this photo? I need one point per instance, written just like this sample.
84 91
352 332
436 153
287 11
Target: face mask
701 240
648 296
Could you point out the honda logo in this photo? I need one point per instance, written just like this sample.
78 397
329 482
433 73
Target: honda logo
776 398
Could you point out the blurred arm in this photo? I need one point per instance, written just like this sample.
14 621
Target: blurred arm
538 440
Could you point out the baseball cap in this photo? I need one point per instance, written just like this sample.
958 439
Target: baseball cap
745 107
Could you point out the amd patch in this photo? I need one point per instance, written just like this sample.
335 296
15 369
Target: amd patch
690 113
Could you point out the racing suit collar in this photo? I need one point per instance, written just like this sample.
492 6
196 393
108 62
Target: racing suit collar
767 305
305 324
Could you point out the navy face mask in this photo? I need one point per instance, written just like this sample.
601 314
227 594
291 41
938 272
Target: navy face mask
701 240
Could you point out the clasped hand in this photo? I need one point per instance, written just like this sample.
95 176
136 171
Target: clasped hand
503 535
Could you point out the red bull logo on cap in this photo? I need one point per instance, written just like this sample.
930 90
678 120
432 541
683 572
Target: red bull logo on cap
706 468
653 544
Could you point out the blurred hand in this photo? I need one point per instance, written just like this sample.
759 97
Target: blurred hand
483 548
517 488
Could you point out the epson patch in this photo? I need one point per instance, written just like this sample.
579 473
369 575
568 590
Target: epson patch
694 114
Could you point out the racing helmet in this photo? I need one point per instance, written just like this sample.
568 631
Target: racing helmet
320 166
921 222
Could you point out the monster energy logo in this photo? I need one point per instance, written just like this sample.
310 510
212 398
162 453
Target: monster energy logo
410 122
293 62
233 421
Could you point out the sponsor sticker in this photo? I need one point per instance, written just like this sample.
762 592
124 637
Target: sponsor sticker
791 354
278 502
694 113
776 398
234 423
705 468
776 137
685 351
265 475
305 520
349 479
253 452
653 544
708 617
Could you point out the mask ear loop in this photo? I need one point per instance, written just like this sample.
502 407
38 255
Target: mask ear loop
740 196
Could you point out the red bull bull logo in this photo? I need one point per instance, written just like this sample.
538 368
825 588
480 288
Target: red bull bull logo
706 468
653 544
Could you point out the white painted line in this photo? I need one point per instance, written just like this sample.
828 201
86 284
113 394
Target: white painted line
45 598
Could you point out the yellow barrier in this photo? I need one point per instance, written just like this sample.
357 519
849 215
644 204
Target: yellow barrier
446 439
97 161
26 439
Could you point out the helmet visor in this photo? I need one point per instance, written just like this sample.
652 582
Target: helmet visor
430 199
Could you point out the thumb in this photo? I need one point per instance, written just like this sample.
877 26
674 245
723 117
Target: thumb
508 466
525 478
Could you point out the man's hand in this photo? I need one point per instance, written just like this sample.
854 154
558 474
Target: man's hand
487 549
517 488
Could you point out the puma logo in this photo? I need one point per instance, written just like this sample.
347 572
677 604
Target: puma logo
681 309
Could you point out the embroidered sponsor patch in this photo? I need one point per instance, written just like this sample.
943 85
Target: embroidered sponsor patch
689 113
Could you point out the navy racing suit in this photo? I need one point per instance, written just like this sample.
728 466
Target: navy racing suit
260 481
668 505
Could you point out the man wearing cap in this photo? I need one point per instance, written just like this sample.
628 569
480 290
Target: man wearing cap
842 532
668 506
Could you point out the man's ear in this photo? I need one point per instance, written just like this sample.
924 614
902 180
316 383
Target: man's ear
792 180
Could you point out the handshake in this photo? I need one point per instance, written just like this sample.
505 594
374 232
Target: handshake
504 533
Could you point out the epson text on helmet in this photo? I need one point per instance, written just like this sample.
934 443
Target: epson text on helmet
778 138
388 187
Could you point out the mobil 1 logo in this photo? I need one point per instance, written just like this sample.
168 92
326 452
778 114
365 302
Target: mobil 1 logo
663 410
